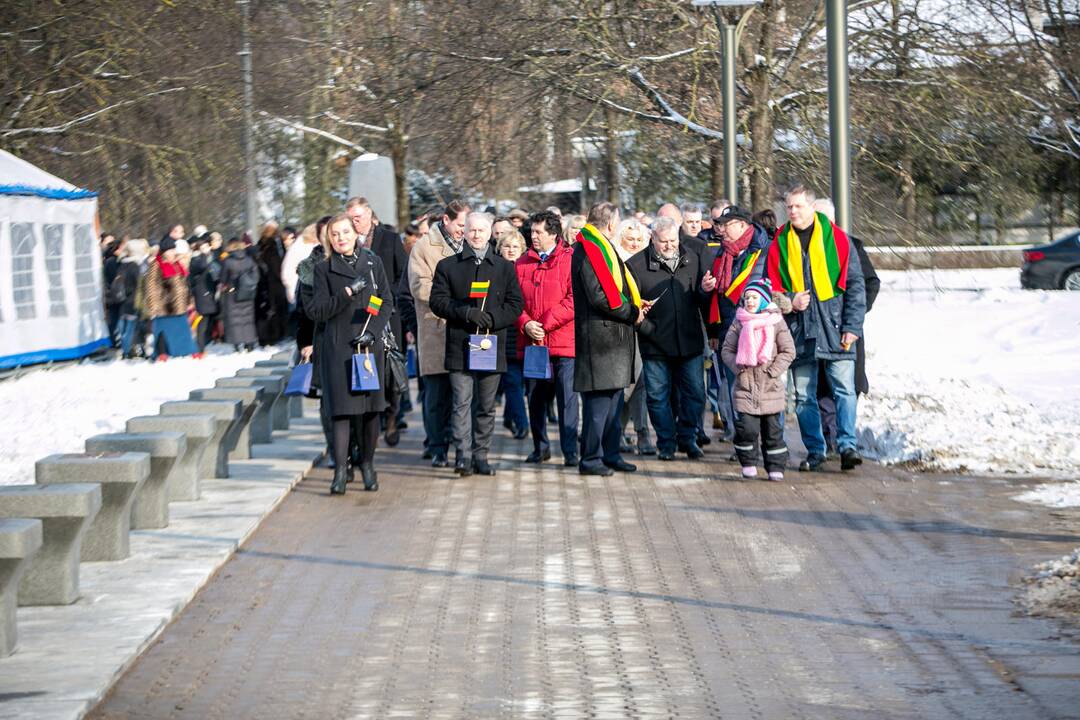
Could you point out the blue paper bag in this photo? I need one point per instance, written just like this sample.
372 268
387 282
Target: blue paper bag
365 372
299 380
410 362
484 352
537 364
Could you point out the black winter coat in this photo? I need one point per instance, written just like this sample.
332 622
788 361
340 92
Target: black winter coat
450 300
129 269
345 317
673 327
386 244
203 276
603 338
272 304
239 316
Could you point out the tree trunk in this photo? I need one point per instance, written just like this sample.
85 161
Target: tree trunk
716 171
760 115
611 157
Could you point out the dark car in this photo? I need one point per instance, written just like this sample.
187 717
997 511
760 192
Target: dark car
1053 267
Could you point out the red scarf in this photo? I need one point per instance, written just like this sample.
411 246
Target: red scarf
169 269
722 269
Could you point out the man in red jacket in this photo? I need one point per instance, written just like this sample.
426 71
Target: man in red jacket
548 319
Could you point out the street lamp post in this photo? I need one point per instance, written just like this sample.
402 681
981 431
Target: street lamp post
839 144
251 184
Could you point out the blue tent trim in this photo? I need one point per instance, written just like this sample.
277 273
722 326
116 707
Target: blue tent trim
50 193
53 355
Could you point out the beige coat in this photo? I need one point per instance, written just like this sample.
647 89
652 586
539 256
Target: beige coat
431 330
760 390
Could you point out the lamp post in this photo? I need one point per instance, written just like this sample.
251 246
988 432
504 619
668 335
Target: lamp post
251 184
839 144
730 40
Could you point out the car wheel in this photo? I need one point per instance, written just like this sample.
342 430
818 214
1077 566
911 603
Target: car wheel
1072 280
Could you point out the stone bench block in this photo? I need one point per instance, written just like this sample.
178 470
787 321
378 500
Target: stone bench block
295 402
238 439
151 508
282 405
120 476
20 538
183 482
285 356
215 460
262 425
65 512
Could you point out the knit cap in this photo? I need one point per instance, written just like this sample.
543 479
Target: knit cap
763 288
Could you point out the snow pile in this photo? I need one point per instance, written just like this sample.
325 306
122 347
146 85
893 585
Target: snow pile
1054 589
54 411
969 379
1057 495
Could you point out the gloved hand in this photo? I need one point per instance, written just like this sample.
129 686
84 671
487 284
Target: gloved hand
480 318
356 286
364 339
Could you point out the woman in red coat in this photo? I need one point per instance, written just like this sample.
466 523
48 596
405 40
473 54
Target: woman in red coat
548 319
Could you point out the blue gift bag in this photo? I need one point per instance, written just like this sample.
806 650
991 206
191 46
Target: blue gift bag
484 352
537 364
410 362
299 380
176 333
365 372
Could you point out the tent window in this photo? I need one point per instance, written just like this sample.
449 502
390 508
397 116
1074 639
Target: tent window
22 269
54 267
85 277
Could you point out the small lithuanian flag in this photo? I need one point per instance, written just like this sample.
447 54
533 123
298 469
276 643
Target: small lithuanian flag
479 289
374 305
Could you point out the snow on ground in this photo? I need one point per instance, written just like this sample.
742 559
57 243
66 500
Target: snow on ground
970 372
54 411
1054 589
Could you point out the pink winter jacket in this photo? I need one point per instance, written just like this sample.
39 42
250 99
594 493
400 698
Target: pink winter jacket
760 390
548 299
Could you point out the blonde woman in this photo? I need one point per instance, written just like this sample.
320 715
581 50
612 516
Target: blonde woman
512 246
631 237
572 225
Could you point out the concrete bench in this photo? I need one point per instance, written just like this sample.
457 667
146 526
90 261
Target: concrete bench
215 460
151 508
296 403
282 405
20 538
262 425
282 356
183 482
65 512
120 476
238 439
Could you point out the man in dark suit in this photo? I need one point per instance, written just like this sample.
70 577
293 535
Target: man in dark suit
384 241
605 314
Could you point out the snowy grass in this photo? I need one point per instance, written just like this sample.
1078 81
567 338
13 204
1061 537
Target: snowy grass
970 373
54 411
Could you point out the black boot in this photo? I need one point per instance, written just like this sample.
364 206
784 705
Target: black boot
371 479
341 476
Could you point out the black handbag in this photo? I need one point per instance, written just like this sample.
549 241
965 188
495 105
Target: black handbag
395 362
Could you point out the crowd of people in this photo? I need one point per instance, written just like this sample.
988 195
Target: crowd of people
616 331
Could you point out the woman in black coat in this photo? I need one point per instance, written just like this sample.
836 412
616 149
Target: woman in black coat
204 272
239 284
343 286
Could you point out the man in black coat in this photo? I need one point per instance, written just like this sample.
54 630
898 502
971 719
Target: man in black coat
603 347
454 297
670 338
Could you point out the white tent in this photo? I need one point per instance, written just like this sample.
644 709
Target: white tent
50 268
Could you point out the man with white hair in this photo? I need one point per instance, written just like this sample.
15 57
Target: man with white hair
813 262
671 340
476 291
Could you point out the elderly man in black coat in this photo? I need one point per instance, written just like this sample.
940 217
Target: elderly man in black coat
671 339
603 342
456 298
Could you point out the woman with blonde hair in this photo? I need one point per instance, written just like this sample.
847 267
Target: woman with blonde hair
631 237
512 246
572 225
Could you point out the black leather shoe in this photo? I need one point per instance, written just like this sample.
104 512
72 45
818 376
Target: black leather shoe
538 456
341 474
482 467
692 451
463 466
393 437
850 459
812 463
371 478
622 466
403 425
665 455
602 471
703 439
438 460
426 455
571 461
521 433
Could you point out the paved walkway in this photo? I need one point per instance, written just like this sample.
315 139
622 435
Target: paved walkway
668 593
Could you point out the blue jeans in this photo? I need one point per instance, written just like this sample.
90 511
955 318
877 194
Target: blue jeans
514 390
841 374
561 387
687 375
126 328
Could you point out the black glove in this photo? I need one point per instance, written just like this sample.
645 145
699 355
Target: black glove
480 318
364 339
357 285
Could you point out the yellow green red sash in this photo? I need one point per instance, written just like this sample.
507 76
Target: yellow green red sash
605 263
828 249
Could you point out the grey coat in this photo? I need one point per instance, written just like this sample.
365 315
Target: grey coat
239 316
817 329
760 390
604 340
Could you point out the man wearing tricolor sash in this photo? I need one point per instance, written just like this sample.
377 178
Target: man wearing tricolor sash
813 261
607 307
